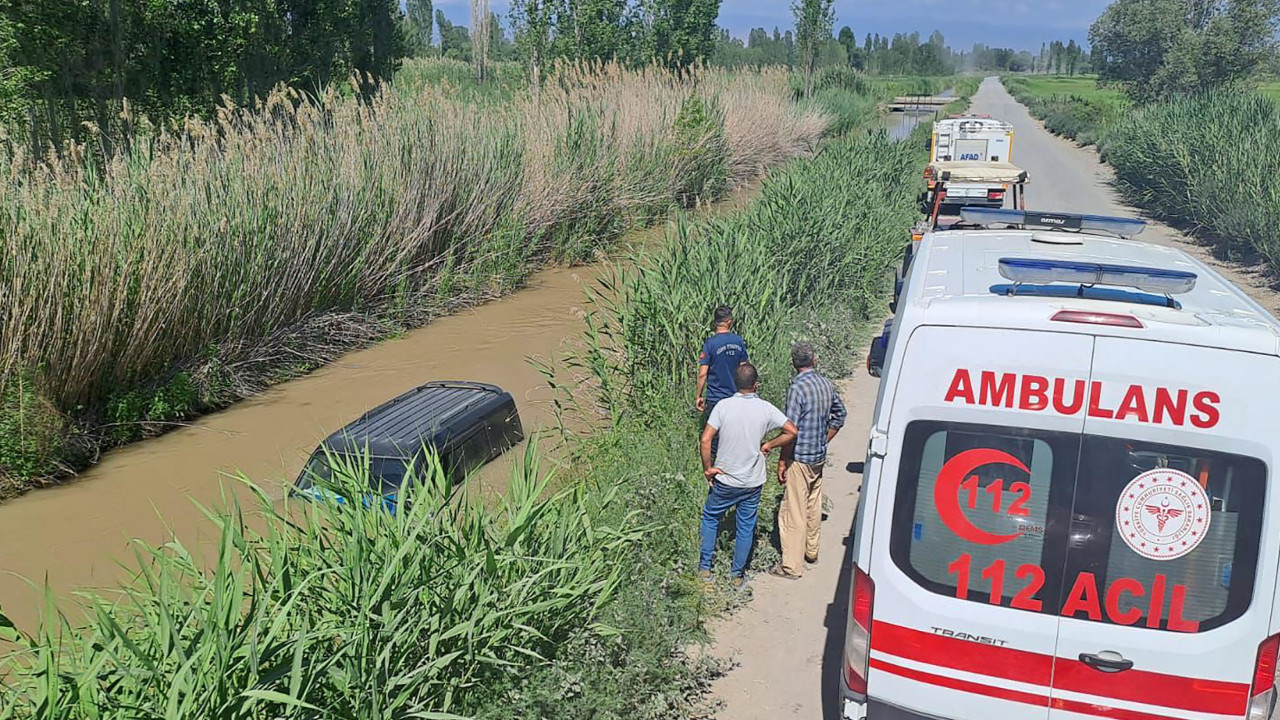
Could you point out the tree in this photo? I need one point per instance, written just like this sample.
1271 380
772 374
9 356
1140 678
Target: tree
1073 56
421 20
500 46
1158 48
850 43
455 40
532 21
480 36
814 20
678 33
592 29
75 63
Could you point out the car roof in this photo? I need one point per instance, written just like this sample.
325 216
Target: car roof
960 285
429 414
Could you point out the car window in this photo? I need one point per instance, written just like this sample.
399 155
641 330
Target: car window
1168 535
316 471
977 508
386 474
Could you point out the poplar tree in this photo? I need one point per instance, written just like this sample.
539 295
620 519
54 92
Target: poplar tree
814 20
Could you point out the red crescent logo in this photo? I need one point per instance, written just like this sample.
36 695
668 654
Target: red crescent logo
946 493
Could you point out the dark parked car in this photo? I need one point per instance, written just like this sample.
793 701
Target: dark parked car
466 423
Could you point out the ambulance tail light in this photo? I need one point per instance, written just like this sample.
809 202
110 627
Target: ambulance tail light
1085 317
995 194
857 642
1262 696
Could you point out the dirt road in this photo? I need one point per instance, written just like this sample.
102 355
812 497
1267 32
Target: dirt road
788 641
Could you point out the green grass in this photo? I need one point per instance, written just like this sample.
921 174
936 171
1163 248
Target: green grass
1074 107
575 603
1083 86
506 79
1270 88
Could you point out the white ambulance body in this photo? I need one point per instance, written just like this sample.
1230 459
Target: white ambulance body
972 138
1066 511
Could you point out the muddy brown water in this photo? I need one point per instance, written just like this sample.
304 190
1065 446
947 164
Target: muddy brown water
73 534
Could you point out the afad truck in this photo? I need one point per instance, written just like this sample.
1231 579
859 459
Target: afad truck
972 139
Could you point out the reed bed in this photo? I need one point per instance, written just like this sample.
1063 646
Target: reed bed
336 611
816 248
188 255
1203 164
577 602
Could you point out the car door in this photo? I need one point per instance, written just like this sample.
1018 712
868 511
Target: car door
979 491
1171 564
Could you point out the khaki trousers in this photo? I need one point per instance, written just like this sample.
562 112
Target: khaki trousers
800 515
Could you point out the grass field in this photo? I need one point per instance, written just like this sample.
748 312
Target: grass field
1085 86
1270 88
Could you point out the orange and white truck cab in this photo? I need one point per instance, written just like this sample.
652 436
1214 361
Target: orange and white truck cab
1066 510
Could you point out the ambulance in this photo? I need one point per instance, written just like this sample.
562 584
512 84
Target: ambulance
1065 511
972 140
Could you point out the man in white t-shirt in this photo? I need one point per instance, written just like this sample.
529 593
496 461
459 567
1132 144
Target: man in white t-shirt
740 422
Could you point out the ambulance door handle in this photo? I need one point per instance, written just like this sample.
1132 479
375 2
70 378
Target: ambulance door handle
1108 661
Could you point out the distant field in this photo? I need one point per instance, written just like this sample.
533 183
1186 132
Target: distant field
1074 107
1085 86
1271 89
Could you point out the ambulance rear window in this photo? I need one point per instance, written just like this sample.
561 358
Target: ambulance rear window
1168 535
974 509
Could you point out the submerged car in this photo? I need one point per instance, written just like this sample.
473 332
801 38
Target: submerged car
465 424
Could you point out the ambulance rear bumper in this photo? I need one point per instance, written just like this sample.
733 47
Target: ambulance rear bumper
878 710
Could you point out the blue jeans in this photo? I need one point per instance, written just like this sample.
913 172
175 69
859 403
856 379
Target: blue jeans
720 498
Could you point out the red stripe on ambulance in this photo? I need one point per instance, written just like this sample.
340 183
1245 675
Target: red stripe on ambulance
1072 396
1169 691
1018 696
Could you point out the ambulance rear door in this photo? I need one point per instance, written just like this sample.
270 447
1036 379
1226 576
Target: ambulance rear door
1171 564
971 522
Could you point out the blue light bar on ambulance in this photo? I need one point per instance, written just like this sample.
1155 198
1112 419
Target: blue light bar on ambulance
1032 271
1122 227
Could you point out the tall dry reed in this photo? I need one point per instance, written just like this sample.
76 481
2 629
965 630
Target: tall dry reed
212 240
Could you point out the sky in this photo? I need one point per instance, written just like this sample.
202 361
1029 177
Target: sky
1020 24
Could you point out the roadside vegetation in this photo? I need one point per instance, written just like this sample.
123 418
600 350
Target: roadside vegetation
574 597
1226 197
1180 111
1073 107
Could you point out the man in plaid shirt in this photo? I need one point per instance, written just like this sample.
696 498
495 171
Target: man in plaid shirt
814 405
